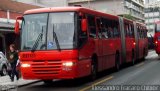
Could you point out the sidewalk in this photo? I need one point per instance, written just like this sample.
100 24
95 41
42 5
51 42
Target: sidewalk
5 83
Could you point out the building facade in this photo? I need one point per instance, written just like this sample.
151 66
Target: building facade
45 3
135 8
150 1
152 15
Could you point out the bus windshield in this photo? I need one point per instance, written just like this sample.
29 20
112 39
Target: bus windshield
48 31
158 27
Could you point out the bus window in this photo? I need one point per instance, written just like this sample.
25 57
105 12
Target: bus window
142 31
104 28
157 27
139 32
110 28
132 31
99 23
116 30
82 36
127 33
110 31
145 33
91 26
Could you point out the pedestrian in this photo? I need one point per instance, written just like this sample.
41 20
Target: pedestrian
13 57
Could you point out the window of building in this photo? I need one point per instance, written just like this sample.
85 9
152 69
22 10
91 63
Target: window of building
156 13
146 15
150 14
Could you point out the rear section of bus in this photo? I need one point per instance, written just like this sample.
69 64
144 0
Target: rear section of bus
157 37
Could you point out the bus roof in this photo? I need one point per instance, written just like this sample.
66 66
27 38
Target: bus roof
67 9
52 9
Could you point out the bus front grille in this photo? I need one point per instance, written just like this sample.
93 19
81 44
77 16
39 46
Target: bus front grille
46 67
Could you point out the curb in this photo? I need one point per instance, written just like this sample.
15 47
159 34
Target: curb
29 83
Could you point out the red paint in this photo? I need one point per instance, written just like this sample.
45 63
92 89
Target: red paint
49 64
157 42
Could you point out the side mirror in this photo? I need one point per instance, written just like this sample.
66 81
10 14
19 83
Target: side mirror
16 29
84 25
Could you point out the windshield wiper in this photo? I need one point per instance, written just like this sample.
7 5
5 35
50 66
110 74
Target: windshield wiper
56 39
37 41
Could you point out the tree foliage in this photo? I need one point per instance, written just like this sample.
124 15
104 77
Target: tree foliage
128 16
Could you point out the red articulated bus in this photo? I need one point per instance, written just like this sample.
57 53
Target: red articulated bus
73 42
157 37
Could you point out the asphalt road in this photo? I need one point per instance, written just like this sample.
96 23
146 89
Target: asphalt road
145 73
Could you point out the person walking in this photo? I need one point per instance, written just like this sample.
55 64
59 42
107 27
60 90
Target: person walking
13 57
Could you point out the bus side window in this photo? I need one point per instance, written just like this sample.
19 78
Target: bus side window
116 29
104 28
132 31
130 34
142 31
139 32
145 33
82 36
108 26
126 30
110 29
99 27
91 26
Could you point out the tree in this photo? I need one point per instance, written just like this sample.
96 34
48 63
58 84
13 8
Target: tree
128 16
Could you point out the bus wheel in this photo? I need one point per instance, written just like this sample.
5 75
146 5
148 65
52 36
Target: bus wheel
48 81
133 58
93 71
117 62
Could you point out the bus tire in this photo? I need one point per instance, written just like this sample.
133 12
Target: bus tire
133 57
117 62
48 81
94 69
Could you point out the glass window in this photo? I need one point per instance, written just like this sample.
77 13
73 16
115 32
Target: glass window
91 26
82 36
104 28
157 27
61 30
34 31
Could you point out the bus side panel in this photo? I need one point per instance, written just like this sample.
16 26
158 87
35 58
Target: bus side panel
109 51
83 68
141 42
157 45
85 54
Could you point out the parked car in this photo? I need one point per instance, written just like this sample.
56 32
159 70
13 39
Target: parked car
4 65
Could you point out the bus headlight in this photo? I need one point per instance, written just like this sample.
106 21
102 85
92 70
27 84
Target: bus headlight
25 65
68 64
